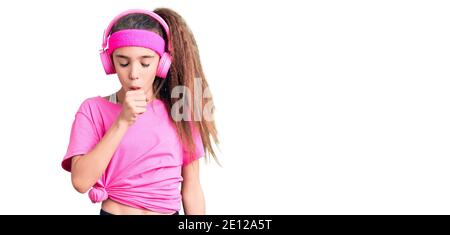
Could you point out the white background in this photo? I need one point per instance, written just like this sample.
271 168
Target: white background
323 107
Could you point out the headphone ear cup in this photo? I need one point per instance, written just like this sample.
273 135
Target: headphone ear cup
107 63
164 65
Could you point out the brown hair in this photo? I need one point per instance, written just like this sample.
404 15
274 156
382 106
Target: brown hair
185 68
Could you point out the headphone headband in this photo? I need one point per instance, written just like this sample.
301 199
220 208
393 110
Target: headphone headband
137 37
136 11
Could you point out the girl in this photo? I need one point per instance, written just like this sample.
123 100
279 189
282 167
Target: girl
135 148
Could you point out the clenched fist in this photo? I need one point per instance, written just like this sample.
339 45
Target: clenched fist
133 105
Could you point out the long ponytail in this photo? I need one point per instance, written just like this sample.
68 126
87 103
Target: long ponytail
185 68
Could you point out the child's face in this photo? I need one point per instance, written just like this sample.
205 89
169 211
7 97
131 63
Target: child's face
136 67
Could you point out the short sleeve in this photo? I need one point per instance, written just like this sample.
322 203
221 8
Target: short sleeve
83 138
199 150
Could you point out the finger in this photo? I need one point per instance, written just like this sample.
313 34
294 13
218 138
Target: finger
140 104
139 98
136 97
131 94
140 110
136 91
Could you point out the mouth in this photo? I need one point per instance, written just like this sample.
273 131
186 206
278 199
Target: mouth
135 88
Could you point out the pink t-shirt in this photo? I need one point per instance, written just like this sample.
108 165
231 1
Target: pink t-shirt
145 170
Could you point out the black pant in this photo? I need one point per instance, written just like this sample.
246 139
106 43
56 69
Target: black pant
102 212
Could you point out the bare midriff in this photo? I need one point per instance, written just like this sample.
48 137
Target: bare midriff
116 208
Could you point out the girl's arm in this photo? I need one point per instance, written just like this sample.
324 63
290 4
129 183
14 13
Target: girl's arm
87 169
191 190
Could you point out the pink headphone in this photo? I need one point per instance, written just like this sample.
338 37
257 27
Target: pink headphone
136 37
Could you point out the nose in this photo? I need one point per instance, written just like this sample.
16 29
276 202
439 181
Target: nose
134 73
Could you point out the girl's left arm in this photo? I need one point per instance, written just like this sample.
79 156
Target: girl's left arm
191 190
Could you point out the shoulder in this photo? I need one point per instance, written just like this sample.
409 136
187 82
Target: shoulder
88 104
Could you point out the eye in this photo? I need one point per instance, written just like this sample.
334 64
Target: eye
124 65
145 65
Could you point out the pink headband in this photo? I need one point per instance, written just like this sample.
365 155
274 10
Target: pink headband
136 37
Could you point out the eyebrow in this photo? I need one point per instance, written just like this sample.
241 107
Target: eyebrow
126 57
